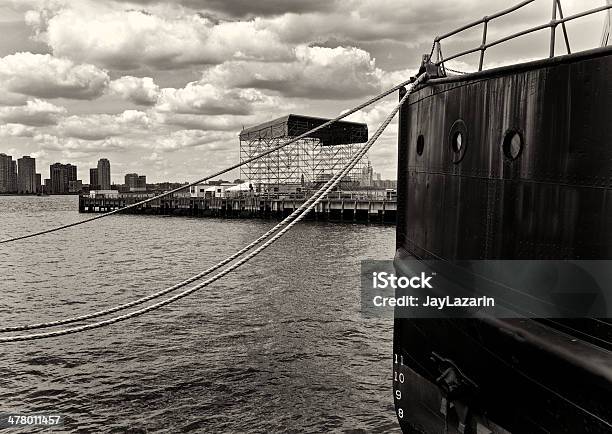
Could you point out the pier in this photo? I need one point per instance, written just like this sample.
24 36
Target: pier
340 209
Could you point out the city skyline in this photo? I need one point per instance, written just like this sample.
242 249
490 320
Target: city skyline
19 176
166 88
133 181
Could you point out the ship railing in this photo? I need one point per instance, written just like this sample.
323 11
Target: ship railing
557 19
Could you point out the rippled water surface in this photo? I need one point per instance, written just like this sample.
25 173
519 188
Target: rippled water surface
279 345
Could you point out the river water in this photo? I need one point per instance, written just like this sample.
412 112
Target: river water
277 346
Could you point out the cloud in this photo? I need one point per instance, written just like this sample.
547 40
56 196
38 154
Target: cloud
245 8
34 113
315 72
208 99
46 76
78 147
248 8
16 130
204 122
11 99
211 140
139 90
252 61
127 39
103 126
169 142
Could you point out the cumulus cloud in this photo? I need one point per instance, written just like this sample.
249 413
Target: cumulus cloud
34 113
212 140
169 142
254 60
11 99
204 122
315 72
247 8
103 126
50 142
208 99
241 8
126 39
139 90
46 76
16 130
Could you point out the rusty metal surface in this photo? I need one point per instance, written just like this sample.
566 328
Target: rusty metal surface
553 201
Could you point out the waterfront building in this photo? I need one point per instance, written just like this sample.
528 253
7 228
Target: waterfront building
13 177
39 186
104 174
8 174
135 182
320 154
94 184
26 175
61 175
384 183
131 181
75 186
366 175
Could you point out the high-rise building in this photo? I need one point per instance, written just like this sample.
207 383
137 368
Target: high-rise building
131 180
94 184
75 186
135 182
8 174
104 174
39 188
59 182
13 176
366 175
26 175
61 175
5 165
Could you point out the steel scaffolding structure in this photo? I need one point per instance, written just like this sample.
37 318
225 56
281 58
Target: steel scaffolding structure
305 163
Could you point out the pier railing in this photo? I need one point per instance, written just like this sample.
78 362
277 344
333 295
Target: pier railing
557 19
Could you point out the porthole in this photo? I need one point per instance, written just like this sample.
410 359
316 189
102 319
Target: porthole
420 144
512 144
458 138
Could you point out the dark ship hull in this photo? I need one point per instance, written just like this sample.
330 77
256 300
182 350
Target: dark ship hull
531 179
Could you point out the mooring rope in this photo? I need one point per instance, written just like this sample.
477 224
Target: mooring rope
214 175
320 194
180 284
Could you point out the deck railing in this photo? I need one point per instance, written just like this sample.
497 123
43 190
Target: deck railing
557 19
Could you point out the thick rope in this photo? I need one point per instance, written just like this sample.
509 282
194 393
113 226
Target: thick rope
221 172
171 288
180 284
321 193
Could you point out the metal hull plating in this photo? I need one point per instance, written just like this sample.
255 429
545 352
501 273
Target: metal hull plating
531 179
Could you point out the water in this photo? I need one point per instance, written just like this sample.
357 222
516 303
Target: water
279 345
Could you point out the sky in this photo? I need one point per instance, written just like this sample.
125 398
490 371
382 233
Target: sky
163 88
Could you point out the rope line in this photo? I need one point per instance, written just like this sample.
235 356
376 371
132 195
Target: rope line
455 71
221 172
166 290
180 284
320 194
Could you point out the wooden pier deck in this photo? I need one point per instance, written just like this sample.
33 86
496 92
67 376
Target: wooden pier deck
359 210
